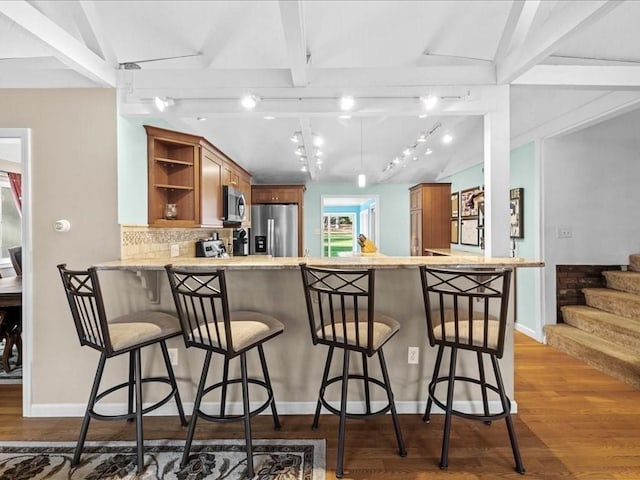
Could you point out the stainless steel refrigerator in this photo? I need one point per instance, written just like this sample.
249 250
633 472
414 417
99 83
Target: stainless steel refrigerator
274 230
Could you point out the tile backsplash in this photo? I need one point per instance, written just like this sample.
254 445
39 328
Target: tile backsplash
145 242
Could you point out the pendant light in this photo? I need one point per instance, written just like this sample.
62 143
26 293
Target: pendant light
362 178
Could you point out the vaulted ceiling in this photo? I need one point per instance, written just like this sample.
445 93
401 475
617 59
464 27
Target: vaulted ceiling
569 64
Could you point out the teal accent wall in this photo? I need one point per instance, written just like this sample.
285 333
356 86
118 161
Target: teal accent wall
132 169
393 215
522 175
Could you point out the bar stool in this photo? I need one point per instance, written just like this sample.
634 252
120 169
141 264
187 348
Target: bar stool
113 337
340 306
203 309
470 314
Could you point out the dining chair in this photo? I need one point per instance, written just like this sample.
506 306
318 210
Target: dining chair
466 310
341 313
127 334
15 253
202 302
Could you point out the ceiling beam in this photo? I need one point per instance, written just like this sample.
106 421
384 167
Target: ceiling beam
293 25
64 46
509 29
98 30
606 106
581 76
561 25
172 81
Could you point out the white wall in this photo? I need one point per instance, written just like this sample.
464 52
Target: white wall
73 176
591 185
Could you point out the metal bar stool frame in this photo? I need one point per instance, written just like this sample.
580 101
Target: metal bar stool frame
454 323
337 299
202 304
82 288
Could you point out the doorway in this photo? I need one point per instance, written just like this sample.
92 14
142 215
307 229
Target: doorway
15 158
344 218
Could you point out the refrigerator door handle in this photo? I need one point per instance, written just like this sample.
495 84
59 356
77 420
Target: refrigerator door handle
270 236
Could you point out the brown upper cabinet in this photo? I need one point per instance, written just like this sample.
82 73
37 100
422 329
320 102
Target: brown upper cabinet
430 217
188 171
277 194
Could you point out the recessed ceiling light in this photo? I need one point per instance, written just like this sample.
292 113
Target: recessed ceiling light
344 117
423 115
347 103
447 138
269 117
318 141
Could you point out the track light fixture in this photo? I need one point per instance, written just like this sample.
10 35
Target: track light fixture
162 103
347 103
249 101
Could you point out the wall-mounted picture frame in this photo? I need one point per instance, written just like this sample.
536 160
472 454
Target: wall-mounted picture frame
469 202
516 212
455 204
455 231
469 233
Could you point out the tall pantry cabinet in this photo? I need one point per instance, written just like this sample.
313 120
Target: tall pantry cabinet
430 217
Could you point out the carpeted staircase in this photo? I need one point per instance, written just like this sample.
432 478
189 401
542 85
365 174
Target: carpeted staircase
605 333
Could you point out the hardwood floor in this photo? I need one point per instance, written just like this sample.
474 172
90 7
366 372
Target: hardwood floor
573 423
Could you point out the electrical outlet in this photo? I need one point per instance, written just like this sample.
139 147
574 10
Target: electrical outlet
175 250
173 356
413 355
564 232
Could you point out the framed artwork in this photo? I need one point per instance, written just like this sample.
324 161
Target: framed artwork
454 230
516 208
469 202
469 232
455 204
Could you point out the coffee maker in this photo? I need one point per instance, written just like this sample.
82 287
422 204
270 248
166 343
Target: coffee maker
240 242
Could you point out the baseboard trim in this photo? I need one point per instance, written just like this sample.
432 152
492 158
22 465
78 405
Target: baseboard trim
284 408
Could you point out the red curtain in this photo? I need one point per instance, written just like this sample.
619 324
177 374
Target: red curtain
15 179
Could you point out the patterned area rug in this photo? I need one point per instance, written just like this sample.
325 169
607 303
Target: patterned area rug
214 460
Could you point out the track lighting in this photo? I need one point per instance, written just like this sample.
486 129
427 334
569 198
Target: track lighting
347 103
429 101
163 103
249 101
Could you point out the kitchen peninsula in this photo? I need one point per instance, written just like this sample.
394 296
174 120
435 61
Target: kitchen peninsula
273 285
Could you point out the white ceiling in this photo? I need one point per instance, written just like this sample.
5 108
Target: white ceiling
569 64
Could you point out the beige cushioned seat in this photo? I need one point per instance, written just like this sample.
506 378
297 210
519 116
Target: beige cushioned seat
140 327
383 329
463 333
247 328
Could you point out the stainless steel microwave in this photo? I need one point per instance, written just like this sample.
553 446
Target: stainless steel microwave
233 204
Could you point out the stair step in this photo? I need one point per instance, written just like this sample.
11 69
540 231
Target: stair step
612 301
614 328
634 262
614 360
623 281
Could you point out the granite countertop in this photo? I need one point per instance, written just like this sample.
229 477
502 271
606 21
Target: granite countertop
471 260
